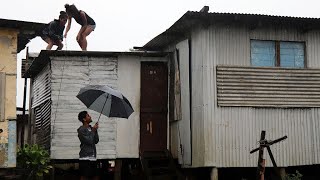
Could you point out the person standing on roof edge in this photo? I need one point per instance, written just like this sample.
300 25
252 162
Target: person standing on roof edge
52 34
88 137
87 24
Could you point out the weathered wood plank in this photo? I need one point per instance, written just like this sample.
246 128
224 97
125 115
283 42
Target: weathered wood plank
68 76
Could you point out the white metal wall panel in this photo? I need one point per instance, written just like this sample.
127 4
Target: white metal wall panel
42 126
315 116
313 49
183 127
277 34
69 74
197 59
225 136
41 105
41 87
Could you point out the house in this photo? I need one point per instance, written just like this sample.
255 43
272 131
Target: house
241 74
56 78
225 77
14 35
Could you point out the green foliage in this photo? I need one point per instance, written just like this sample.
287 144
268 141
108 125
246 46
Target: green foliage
296 176
35 160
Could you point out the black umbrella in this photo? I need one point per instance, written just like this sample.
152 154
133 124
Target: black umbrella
105 100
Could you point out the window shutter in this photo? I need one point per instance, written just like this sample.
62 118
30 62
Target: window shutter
2 95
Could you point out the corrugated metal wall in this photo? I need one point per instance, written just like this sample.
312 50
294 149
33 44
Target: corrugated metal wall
224 136
41 87
267 86
182 128
69 74
41 106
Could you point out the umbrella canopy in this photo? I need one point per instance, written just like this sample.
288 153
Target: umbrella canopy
105 100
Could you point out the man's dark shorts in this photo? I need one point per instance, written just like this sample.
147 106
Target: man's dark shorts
88 168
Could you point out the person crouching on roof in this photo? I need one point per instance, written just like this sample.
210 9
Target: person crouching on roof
87 24
52 34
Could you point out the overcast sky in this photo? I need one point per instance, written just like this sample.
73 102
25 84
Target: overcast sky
122 24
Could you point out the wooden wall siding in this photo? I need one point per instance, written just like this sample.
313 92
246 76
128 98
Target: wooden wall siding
69 74
268 87
41 87
42 124
2 95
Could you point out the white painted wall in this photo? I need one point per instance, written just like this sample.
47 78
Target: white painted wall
128 130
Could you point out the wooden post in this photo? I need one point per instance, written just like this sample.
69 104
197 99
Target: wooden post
259 174
274 163
261 162
263 169
24 103
214 174
117 169
283 173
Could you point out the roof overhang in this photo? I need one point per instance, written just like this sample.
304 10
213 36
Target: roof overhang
27 30
181 29
44 57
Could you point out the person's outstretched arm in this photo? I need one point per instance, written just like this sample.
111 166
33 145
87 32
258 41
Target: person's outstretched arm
96 135
68 27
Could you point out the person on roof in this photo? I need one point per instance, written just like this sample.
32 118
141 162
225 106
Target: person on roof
52 34
87 24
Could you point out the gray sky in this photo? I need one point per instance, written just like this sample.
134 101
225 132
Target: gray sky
122 24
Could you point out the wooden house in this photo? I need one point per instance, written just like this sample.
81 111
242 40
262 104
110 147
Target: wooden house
240 74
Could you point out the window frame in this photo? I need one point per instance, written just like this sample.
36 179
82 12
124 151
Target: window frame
277 52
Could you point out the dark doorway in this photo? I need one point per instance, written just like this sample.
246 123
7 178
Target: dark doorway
154 106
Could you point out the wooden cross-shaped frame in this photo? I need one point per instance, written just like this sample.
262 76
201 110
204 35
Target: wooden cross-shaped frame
261 164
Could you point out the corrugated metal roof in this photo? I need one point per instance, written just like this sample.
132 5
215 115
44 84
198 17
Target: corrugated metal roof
181 29
39 63
27 30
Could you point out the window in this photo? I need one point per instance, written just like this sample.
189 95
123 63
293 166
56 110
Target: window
277 53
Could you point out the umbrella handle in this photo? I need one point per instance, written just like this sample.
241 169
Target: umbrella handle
103 108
